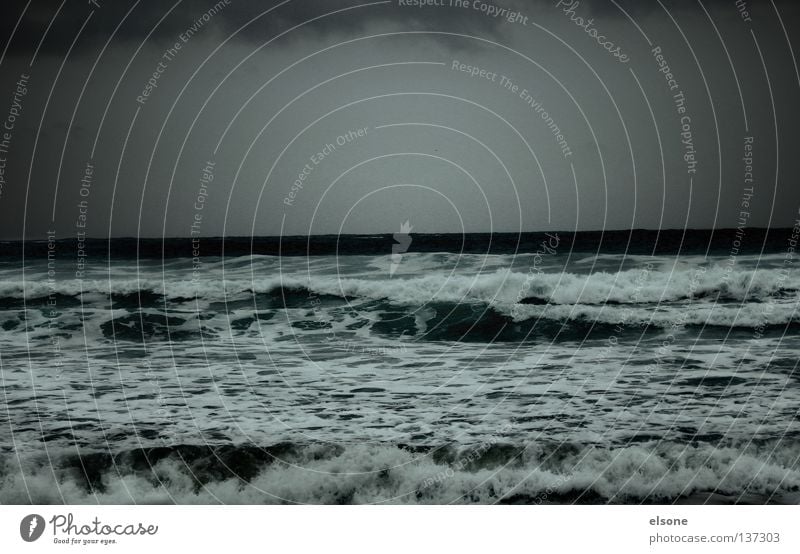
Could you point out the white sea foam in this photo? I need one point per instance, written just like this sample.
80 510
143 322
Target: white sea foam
499 285
698 314
384 474
366 373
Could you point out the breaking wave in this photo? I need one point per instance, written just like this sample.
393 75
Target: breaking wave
625 287
437 305
359 474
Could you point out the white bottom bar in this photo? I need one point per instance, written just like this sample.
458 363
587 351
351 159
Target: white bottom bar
402 529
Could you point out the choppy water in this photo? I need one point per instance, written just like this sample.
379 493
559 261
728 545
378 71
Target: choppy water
550 376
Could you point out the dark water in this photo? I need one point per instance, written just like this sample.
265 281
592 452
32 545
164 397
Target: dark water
637 241
613 367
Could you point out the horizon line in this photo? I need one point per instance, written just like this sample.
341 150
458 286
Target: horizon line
638 229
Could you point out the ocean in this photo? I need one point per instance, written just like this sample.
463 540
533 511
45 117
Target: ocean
618 367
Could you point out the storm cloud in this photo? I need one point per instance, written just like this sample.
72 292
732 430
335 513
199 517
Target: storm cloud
145 118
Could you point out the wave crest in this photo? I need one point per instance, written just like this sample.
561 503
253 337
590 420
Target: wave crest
360 474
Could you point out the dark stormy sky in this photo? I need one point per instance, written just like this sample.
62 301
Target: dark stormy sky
596 135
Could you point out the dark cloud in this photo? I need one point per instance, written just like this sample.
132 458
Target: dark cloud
146 18
57 120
